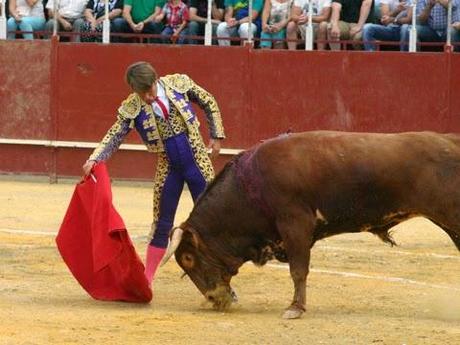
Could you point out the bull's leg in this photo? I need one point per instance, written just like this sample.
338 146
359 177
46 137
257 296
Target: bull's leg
296 230
455 236
452 230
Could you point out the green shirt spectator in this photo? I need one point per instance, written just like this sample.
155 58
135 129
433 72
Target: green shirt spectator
139 17
142 9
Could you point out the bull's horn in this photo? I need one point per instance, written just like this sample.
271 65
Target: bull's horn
176 237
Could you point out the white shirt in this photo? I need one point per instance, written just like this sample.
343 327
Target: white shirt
161 94
71 9
24 10
317 6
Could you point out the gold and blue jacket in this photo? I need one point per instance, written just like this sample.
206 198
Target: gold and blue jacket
153 129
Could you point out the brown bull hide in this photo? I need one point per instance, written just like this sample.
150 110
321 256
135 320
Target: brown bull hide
277 199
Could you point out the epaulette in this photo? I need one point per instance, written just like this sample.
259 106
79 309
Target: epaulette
130 107
178 82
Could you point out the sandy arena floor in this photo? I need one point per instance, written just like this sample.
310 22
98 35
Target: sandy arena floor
360 291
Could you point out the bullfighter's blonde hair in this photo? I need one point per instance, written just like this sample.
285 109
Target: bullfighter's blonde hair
140 76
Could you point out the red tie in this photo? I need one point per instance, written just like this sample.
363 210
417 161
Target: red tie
163 107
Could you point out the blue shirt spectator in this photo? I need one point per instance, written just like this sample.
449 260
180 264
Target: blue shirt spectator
432 22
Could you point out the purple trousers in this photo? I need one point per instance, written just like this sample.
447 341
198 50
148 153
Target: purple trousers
182 168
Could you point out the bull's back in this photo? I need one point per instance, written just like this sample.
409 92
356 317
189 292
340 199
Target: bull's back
352 172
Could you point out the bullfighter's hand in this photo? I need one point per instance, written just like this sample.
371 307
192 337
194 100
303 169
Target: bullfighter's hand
214 145
88 166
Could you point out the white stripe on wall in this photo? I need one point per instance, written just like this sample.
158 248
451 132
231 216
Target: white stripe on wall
87 145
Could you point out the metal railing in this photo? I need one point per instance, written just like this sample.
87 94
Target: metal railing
208 37
3 27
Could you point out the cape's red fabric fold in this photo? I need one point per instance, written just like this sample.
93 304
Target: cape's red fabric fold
96 247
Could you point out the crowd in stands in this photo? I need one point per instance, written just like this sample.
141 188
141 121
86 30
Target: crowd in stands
275 24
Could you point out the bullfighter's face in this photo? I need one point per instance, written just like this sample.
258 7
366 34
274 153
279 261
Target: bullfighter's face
149 95
209 275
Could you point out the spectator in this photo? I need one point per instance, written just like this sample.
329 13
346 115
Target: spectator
199 14
69 16
139 16
321 11
94 17
394 14
432 22
347 20
275 17
237 20
27 16
456 26
175 15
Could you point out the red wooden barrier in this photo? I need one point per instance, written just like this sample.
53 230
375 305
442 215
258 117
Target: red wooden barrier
70 92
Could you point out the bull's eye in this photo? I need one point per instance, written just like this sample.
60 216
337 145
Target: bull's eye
188 260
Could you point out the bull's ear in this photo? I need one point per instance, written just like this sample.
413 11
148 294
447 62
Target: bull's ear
176 237
195 239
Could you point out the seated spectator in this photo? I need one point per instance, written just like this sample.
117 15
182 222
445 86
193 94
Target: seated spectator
394 14
94 17
175 15
275 17
321 11
69 16
432 22
347 20
27 16
198 17
237 20
139 16
456 26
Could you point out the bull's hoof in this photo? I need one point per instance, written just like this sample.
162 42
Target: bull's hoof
292 313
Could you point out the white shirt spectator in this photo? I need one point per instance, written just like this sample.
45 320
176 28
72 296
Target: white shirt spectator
71 9
317 6
24 10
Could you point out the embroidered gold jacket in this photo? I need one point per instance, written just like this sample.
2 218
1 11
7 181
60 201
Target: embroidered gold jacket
134 112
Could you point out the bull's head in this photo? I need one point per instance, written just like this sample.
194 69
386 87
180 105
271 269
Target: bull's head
210 271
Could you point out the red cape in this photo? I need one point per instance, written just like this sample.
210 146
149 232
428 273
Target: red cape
96 247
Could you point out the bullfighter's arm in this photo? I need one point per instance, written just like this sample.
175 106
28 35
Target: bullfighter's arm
115 135
208 103
111 141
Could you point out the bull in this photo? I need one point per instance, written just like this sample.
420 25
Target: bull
276 200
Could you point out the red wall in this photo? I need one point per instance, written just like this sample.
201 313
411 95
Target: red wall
70 92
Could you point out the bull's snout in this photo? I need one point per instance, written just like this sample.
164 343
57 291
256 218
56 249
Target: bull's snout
221 297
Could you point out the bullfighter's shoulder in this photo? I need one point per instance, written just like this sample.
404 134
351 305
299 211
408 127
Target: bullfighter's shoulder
178 82
131 106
